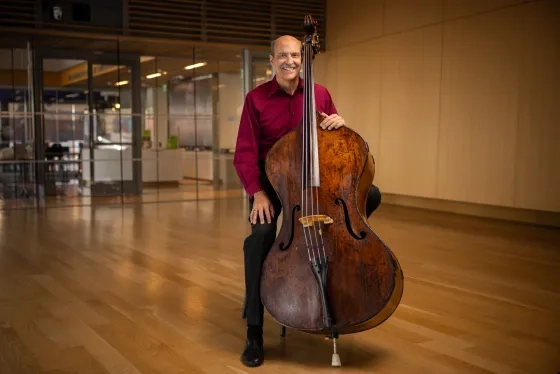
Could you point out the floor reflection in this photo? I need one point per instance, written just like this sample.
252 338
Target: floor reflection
187 190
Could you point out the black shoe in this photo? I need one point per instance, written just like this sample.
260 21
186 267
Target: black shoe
253 354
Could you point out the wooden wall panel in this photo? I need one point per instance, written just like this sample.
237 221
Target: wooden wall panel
458 8
479 100
325 72
357 95
234 22
287 17
491 129
223 21
537 161
16 13
402 15
410 80
351 22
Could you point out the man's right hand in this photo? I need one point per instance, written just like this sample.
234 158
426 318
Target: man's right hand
262 207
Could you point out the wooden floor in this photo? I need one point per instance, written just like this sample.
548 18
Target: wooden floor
70 197
158 288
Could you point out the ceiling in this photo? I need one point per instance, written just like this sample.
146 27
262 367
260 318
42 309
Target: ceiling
168 58
169 69
16 59
160 47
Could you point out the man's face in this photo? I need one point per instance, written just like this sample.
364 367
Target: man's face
287 58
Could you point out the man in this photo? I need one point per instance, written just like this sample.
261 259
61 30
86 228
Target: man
270 111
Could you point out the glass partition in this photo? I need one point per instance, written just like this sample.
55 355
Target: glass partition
17 138
87 129
192 107
64 99
119 127
109 151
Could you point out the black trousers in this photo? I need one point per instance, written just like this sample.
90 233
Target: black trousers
259 242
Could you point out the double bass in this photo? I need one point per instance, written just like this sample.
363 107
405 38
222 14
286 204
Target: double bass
327 271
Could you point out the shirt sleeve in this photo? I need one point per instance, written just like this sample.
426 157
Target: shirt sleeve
245 159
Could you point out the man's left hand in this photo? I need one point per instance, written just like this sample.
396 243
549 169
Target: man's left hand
334 121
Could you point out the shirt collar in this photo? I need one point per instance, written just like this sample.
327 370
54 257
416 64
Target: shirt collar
274 86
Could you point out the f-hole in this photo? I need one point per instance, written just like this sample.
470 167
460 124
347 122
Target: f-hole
294 210
339 201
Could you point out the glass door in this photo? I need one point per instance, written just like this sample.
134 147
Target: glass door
91 129
65 102
17 140
110 122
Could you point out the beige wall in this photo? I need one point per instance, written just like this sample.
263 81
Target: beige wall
459 100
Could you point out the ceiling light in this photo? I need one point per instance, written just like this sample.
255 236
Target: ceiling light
202 77
121 83
193 66
154 75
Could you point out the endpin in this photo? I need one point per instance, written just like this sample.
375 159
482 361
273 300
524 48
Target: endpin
335 361
335 357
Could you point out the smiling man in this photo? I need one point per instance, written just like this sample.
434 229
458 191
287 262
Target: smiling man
272 110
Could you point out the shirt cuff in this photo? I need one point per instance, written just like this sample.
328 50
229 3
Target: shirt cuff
253 188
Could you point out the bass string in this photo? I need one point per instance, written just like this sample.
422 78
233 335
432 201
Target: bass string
313 146
305 163
316 144
310 162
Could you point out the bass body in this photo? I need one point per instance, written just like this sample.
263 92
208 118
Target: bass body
363 279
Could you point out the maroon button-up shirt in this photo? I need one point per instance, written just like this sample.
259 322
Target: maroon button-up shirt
270 113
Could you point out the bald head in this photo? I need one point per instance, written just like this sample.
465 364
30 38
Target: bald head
285 59
286 41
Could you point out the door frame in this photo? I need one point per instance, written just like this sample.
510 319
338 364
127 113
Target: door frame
92 58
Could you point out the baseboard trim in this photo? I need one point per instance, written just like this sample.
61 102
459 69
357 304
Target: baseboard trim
161 184
535 217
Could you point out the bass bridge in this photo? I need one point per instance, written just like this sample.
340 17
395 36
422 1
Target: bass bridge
308 221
